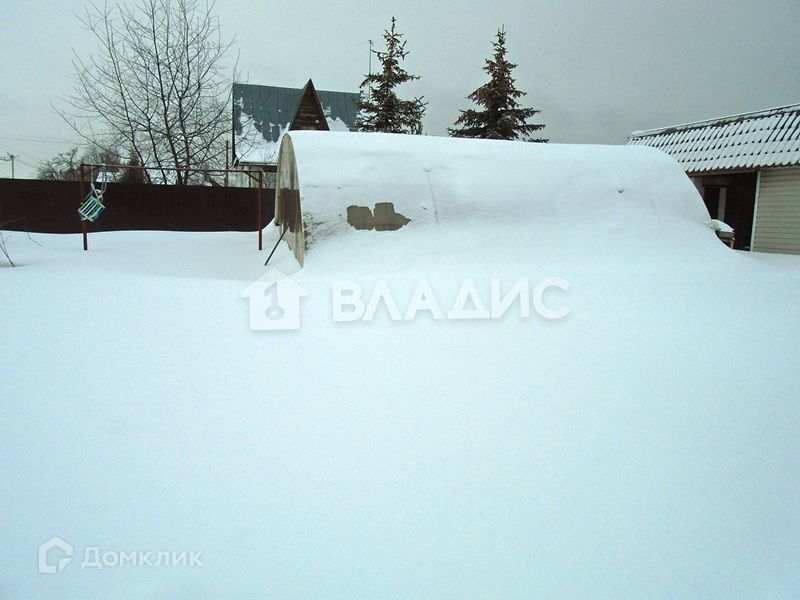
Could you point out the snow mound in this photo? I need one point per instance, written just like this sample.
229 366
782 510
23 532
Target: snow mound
564 195
721 226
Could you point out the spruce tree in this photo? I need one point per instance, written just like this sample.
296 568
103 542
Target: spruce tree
502 118
134 174
379 107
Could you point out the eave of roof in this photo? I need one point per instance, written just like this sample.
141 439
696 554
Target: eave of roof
748 141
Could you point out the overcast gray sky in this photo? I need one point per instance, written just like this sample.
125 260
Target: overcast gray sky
597 70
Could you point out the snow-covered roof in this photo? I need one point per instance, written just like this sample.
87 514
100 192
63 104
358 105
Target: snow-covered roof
767 138
558 198
263 113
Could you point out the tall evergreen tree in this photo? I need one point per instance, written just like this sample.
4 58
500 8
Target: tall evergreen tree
502 118
379 107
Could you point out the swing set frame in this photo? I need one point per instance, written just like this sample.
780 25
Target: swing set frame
86 170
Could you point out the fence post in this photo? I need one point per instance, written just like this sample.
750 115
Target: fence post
84 224
260 207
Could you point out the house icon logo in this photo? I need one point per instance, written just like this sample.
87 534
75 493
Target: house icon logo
274 302
54 555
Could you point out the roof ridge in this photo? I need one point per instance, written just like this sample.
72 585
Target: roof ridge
716 121
294 89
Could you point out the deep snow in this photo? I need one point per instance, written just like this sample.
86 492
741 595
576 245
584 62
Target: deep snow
645 446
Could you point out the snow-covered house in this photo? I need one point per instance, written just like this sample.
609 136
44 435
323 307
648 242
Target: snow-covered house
262 114
747 168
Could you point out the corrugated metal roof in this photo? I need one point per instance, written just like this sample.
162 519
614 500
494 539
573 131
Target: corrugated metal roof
767 138
271 108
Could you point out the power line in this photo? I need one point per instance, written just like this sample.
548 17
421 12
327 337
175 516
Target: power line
19 155
41 140
26 163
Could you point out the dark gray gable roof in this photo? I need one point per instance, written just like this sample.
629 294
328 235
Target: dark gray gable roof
272 108
767 138
340 105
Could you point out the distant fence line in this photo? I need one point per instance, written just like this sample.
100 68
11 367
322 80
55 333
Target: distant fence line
51 207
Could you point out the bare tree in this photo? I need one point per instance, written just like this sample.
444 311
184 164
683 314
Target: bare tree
3 249
156 85
63 166
3 237
66 166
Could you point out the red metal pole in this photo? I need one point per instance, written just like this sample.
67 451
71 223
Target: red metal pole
84 225
260 207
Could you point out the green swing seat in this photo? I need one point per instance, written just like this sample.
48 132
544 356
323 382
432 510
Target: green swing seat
92 207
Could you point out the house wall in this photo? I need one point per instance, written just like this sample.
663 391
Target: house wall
309 113
777 218
730 197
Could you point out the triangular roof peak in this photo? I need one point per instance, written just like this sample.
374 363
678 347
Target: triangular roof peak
309 113
263 113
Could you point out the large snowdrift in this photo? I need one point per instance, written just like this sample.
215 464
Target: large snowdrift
644 446
549 198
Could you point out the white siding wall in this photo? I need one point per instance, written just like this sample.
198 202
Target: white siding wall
777 224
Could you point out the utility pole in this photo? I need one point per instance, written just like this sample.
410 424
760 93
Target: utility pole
11 157
227 163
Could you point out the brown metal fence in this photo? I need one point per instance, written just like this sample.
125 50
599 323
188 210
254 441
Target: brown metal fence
51 207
